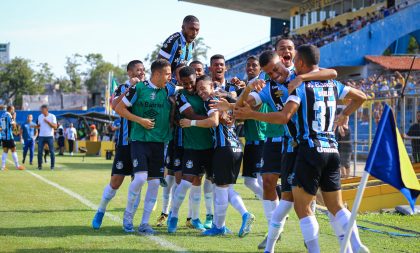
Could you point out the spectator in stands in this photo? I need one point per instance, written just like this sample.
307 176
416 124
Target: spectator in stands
93 133
47 122
28 134
71 136
414 131
60 139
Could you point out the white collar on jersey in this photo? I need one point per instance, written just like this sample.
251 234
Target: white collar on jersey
152 85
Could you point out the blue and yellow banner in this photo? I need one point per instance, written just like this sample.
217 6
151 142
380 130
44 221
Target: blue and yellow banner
388 159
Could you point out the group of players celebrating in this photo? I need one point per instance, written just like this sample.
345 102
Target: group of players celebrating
189 123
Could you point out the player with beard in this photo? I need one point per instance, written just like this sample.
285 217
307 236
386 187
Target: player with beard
226 161
122 165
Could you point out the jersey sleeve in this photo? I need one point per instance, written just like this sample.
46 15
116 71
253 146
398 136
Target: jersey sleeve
130 97
171 89
263 96
342 89
207 106
169 46
53 119
182 103
117 91
297 95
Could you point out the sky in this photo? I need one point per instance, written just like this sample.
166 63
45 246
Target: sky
121 30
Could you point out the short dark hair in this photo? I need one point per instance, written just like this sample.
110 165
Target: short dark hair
132 64
181 65
309 54
9 107
252 57
44 106
190 19
278 41
196 62
216 57
186 72
266 57
159 64
203 78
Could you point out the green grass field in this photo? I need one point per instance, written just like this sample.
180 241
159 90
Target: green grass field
36 216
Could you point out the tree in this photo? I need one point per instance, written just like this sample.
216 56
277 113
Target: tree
154 54
200 50
17 78
72 67
44 75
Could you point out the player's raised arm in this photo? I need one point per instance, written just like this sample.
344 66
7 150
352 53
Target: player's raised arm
321 74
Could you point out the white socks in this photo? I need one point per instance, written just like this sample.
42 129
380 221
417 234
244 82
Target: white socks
310 231
107 195
236 201
134 190
339 232
179 197
269 207
342 218
150 199
167 193
3 160
221 203
254 186
195 199
278 220
15 159
208 196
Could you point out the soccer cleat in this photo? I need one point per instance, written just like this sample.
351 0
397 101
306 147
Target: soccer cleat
247 220
208 224
363 249
172 224
97 220
188 223
214 231
161 220
146 229
196 224
20 167
263 244
163 182
169 217
128 222
39 168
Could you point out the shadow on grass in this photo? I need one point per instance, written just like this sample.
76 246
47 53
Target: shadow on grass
61 231
47 211
123 250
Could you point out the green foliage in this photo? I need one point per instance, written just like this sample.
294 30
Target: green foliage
200 51
413 46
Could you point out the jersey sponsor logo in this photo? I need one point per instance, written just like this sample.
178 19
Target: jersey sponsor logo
236 150
279 93
320 84
135 163
326 150
189 164
151 113
177 162
119 165
290 178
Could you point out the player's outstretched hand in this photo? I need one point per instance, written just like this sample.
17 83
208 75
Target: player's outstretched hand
238 82
220 105
294 84
185 123
257 85
341 120
243 112
147 123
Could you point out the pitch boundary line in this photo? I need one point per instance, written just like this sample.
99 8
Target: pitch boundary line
158 240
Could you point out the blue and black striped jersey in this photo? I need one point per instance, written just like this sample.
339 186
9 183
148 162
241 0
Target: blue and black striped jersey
176 50
122 136
6 126
317 111
224 134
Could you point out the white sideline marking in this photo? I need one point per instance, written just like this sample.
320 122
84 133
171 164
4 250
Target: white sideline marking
160 241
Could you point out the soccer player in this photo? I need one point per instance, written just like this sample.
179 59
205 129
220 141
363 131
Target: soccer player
285 49
199 68
227 158
179 46
122 165
275 95
150 130
28 133
222 87
7 124
317 160
198 151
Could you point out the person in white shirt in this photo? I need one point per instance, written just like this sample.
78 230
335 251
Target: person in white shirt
47 122
71 136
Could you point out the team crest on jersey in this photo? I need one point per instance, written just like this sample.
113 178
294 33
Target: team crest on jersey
135 163
119 165
278 93
189 164
153 96
177 162
165 45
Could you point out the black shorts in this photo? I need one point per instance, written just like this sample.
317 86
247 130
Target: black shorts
317 167
122 164
149 157
252 159
345 158
226 165
8 143
272 156
197 162
60 141
173 161
288 164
